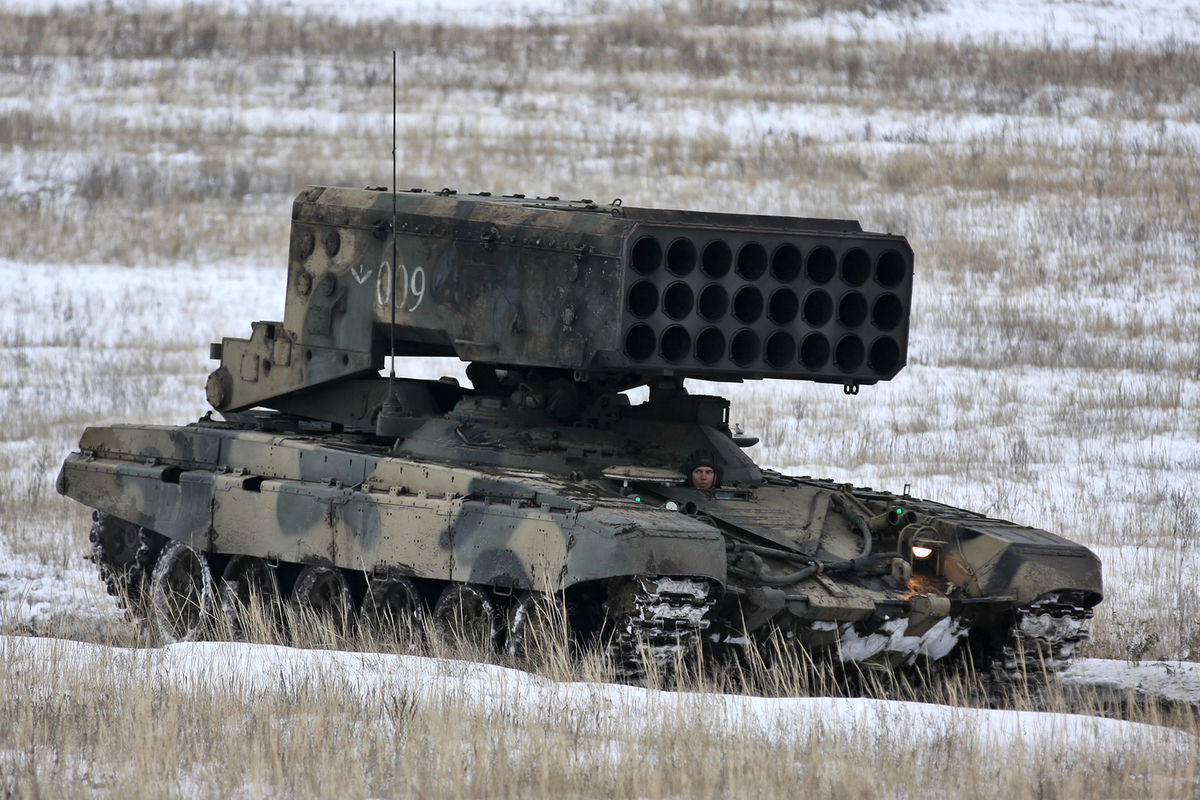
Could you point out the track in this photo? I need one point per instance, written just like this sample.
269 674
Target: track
662 620
660 624
1044 638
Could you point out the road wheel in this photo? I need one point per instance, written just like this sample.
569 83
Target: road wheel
181 594
538 628
250 597
323 592
465 617
392 607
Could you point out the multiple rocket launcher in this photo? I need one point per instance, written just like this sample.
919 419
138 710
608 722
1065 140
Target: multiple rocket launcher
599 290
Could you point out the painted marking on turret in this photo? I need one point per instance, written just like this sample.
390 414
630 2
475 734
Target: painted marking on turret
383 286
361 278
406 285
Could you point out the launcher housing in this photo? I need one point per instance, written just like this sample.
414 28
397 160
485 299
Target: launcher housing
605 292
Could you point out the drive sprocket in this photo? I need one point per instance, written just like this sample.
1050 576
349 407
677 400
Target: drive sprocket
125 554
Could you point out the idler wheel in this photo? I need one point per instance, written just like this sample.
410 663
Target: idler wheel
537 628
393 607
181 594
465 616
250 595
323 592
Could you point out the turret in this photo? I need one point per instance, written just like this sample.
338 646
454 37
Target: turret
596 291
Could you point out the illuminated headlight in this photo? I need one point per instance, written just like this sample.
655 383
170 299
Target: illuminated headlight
921 552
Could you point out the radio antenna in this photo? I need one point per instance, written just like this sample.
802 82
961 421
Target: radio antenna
391 406
392 293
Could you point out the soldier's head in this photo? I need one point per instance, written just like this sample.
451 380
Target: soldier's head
702 470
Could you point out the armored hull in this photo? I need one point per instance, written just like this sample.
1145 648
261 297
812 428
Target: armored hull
348 492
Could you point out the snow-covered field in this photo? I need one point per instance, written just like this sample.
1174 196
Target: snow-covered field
604 709
1042 157
1022 21
609 720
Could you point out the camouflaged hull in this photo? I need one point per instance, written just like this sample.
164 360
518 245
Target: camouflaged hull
517 518
542 480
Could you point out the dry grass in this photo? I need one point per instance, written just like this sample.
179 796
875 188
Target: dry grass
126 724
570 105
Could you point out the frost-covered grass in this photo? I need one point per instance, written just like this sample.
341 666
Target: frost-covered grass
1042 159
233 720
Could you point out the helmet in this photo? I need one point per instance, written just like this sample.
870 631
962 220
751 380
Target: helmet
702 458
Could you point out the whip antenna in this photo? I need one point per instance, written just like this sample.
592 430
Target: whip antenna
388 423
392 293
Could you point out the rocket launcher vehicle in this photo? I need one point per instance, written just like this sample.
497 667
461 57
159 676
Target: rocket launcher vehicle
323 485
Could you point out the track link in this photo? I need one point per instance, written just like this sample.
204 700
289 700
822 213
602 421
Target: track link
661 623
1043 638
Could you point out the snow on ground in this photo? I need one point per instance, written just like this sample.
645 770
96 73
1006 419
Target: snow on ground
463 12
1032 22
1173 681
61 599
1081 23
65 596
510 694
70 600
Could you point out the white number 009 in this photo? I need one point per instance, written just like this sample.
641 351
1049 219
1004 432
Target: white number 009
408 285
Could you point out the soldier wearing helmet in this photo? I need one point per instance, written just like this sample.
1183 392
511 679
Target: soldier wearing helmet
702 470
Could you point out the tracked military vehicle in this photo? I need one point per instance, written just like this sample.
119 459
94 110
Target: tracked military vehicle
323 484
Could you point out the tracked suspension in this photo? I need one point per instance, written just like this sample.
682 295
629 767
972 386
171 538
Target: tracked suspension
661 623
125 554
1044 638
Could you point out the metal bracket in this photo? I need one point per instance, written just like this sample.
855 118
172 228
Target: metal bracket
488 240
